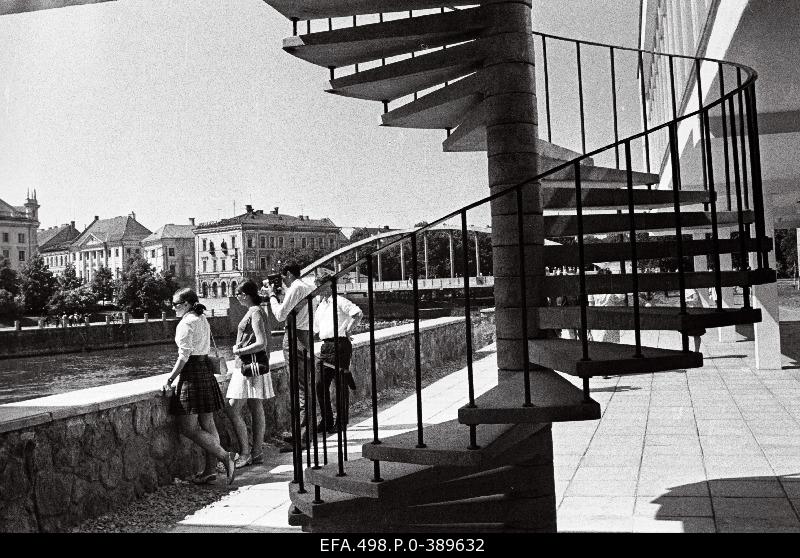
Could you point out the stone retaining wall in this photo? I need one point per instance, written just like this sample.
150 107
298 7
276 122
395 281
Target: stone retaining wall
57 340
69 457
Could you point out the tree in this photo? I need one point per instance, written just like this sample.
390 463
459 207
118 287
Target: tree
786 252
140 289
80 300
103 284
69 279
9 305
9 279
38 285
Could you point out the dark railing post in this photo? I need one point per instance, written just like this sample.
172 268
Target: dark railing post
755 169
703 131
743 141
676 188
672 87
580 95
338 380
294 370
468 325
547 90
417 348
712 191
311 423
523 296
293 410
294 26
645 125
637 325
307 437
372 368
583 296
743 252
725 135
615 109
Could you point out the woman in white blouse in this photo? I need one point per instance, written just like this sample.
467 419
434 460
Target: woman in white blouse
197 396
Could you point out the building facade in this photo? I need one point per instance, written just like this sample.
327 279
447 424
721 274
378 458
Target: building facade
233 250
171 250
18 228
107 243
54 244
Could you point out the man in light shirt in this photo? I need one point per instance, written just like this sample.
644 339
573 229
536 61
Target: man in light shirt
348 317
294 298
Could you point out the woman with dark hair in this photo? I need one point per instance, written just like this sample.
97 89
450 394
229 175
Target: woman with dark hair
251 383
197 396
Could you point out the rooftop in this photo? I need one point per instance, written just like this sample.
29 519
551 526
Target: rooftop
270 219
171 231
115 229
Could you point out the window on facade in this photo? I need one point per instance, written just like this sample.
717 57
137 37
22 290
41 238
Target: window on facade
22 255
280 242
214 264
291 243
21 238
172 269
5 254
5 237
272 242
128 251
235 263
116 252
263 263
204 245
263 242
303 242
223 264
330 243
152 253
172 252
233 242
205 265
249 241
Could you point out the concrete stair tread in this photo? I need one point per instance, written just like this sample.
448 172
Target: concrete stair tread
652 317
607 358
398 79
554 197
567 255
364 43
569 285
567 225
323 9
447 444
553 399
359 474
440 109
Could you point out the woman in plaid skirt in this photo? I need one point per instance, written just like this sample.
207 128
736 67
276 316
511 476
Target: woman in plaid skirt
197 396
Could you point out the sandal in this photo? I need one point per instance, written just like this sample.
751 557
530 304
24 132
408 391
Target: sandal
221 465
200 478
230 466
243 461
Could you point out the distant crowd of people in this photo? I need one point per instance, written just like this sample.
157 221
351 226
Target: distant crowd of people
196 395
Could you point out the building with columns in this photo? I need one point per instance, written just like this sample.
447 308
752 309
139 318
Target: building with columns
54 244
751 32
233 250
171 250
18 226
107 243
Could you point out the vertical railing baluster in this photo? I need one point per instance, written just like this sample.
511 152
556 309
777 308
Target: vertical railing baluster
373 375
308 27
330 24
583 295
580 96
703 131
547 90
672 87
297 437
755 169
645 124
637 325
312 425
676 188
294 26
743 251
743 143
523 296
293 410
307 437
338 380
417 348
615 109
473 443
725 135
712 192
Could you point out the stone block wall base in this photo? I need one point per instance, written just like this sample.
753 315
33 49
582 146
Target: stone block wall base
514 493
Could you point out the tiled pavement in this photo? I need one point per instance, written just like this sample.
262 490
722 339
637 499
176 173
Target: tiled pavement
715 449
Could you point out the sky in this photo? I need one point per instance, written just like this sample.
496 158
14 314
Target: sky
190 108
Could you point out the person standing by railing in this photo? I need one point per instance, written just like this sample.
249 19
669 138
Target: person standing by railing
294 298
197 396
348 317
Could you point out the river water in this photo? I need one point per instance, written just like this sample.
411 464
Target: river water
31 377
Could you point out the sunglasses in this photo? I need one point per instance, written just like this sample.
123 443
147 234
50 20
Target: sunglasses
174 304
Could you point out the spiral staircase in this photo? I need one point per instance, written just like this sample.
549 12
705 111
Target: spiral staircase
468 69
